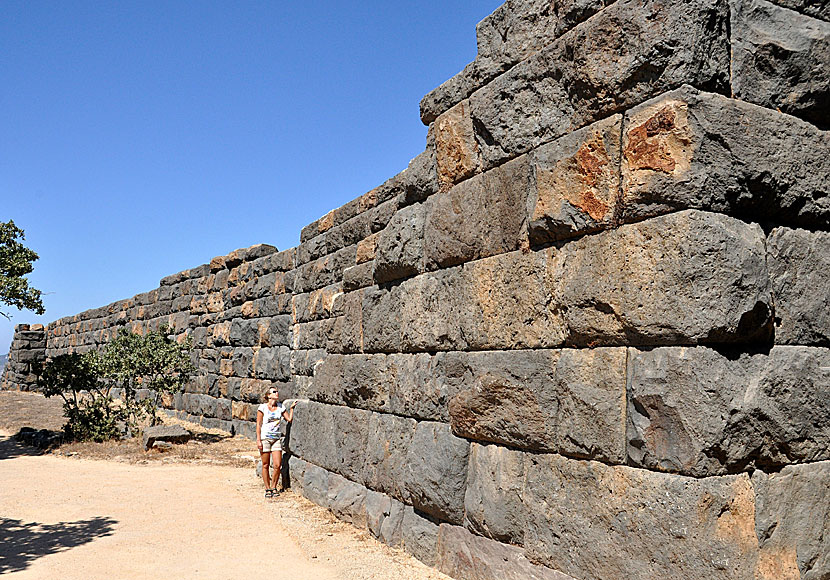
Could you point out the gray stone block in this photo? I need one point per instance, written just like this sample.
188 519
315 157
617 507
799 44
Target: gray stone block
243 361
315 484
620 522
419 536
347 500
568 401
574 81
690 149
792 509
479 217
166 433
389 440
697 412
495 490
356 380
576 185
510 34
799 264
435 472
465 555
684 278
332 437
781 60
400 246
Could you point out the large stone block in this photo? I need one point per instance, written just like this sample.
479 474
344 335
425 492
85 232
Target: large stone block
419 536
389 441
697 412
781 60
691 149
331 437
620 522
627 53
815 8
465 555
493 502
347 500
456 149
512 32
799 264
685 278
381 319
400 246
568 401
498 302
435 472
577 183
354 380
422 384
479 217
792 522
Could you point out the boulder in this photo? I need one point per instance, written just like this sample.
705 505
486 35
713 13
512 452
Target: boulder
167 433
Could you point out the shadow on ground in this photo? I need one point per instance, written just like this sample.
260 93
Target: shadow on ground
21 543
9 449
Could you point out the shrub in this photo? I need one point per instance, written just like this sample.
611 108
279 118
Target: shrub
130 362
91 412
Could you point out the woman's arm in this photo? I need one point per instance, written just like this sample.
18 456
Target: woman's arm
289 414
259 429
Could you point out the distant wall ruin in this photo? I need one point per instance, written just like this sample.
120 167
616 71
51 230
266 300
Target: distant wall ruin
585 333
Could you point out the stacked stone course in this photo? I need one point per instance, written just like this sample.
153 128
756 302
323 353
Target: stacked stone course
27 354
586 333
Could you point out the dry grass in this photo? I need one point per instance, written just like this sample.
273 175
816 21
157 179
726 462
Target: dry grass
20 409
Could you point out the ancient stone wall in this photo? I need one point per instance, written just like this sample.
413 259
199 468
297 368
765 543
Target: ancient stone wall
586 332
27 354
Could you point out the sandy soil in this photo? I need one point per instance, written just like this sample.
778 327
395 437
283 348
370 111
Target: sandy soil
171 516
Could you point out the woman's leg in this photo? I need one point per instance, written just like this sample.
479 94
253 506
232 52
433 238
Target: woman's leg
266 464
277 468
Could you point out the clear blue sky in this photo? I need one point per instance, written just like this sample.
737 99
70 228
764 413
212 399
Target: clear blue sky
139 139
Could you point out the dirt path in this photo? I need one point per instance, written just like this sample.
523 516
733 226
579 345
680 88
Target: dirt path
74 518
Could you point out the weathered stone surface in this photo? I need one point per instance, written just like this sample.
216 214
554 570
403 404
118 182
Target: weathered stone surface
577 183
400 249
244 332
168 433
315 484
389 441
360 276
353 380
480 217
498 302
422 385
331 437
690 149
418 181
781 60
685 278
792 522
464 555
620 522
419 536
456 149
697 412
568 401
815 8
381 319
495 490
799 264
600 68
435 472
512 32
347 500
272 363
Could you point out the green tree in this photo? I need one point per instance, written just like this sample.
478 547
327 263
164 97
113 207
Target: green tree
151 361
15 263
91 412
